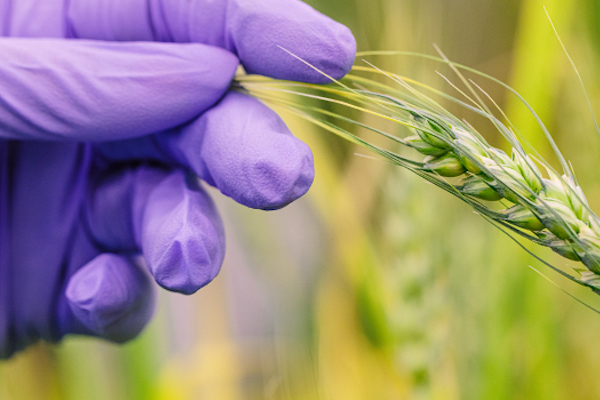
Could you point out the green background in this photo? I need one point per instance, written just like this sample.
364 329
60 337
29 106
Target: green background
377 285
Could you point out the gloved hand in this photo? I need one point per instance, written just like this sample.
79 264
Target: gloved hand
102 141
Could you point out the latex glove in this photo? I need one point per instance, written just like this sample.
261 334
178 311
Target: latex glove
75 210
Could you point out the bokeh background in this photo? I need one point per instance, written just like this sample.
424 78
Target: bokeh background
376 285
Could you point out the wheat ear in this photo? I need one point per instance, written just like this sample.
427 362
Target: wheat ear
509 190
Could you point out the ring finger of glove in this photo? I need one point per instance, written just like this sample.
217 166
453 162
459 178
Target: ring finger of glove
167 216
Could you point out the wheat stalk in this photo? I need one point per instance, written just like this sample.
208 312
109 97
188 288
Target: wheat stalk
508 190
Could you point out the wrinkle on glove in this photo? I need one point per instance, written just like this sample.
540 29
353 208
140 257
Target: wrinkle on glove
253 29
86 90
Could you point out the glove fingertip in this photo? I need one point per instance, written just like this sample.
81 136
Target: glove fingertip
245 149
264 37
185 266
111 297
281 174
336 60
182 236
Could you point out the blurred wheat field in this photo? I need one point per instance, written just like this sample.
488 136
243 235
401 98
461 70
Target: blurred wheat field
377 285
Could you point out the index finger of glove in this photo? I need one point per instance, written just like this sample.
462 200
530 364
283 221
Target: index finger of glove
254 30
86 90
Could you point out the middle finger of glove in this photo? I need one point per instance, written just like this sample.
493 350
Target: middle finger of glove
239 146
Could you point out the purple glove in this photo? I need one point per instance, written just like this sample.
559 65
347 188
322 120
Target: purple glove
101 144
